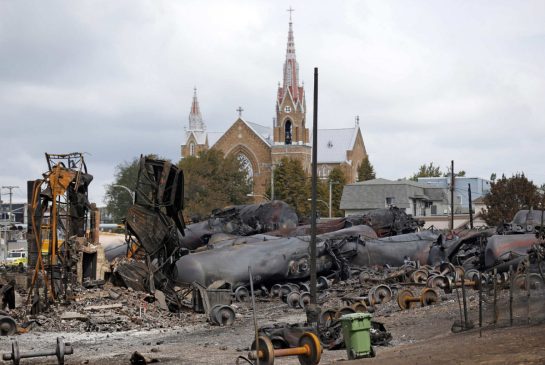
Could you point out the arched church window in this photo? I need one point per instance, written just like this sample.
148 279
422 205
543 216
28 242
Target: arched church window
246 165
287 129
192 149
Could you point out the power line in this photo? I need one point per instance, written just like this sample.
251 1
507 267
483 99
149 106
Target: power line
10 187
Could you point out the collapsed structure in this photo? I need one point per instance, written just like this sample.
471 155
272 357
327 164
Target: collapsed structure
61 253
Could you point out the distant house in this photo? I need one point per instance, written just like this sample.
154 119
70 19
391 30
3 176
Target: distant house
479 188
18 210
478 205
416 198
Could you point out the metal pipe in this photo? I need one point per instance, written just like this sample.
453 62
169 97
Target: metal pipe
460 306
528 290
512 279
480 304
254 315
495 299
465 304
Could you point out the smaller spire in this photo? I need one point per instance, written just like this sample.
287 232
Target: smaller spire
357 120
240 110
195 118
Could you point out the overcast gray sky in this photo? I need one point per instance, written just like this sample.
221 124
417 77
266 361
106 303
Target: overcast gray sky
430 80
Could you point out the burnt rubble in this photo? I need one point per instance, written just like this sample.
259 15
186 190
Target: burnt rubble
168 274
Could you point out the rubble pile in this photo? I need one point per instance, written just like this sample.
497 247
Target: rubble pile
107 309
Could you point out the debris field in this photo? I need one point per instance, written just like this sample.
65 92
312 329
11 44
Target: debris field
180 293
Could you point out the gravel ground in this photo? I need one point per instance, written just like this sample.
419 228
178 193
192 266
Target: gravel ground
191 340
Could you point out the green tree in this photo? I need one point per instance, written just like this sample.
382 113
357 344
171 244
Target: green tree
337 179
507 196
213 181
366 170
292 185
428 170
118 199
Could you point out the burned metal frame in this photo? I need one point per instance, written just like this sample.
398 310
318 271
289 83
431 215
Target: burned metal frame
61 200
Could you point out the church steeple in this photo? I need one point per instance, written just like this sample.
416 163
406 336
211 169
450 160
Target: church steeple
195 118
290 84
290 100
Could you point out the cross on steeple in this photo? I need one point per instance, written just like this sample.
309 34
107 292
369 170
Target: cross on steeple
291 10
240 110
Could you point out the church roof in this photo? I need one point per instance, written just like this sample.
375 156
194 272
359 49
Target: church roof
266 133
333 144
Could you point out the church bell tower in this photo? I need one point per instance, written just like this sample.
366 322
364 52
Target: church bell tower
291 136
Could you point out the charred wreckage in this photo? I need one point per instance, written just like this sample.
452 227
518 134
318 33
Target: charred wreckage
204 266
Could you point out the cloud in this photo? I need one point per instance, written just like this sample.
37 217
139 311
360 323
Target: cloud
431 81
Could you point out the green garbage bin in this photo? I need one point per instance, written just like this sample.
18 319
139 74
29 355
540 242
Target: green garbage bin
356 333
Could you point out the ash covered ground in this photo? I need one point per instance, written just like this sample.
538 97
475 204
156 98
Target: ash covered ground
110 330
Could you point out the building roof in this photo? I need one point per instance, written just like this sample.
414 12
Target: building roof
264 132
333 144
372 194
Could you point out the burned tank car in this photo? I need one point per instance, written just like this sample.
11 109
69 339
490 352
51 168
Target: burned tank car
241 220
505 248
524 221
273 259
396 250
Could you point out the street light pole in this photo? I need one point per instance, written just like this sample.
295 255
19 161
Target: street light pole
272 181
327 205
127 189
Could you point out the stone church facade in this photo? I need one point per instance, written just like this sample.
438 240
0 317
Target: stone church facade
260 148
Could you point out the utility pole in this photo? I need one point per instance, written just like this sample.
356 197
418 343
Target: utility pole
452 195
10 188
313 297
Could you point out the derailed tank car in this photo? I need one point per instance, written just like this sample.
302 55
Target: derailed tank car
276 259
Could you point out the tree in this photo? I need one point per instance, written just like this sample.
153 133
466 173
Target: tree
427 171
337 179
292 186
213 181
507 196
118 199
366 170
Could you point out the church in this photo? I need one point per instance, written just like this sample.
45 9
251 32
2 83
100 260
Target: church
260 147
